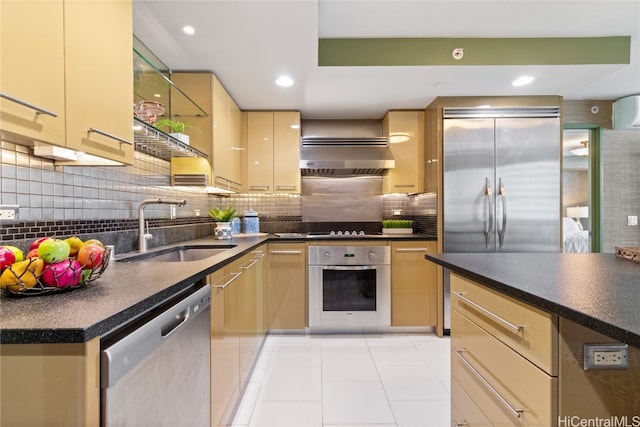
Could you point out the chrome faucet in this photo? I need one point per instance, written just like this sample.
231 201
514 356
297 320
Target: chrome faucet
142 235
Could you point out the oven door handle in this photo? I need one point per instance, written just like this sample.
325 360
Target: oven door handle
349 267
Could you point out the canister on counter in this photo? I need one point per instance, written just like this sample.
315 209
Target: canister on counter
235 226
251 222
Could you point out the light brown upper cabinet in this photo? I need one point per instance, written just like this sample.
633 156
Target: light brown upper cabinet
32 69
405 130
273 152
98 78
219 134
67 67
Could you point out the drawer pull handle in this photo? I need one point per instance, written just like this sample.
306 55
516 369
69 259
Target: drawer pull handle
286 252
228 282
412 250
38 110
515 327
110 135
462 424
516 412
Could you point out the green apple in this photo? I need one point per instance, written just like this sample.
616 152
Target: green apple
54 250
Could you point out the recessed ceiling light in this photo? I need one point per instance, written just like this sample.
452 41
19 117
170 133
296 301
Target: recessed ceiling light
522 81
189 30
157 95
284 81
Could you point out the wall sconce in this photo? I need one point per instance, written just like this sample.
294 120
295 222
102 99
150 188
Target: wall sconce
399 137
577 213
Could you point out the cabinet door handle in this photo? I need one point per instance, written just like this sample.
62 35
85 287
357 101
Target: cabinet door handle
251 264
462 424
516 412
286 187
38 110
110 135
412 250
404 185
491 314
228 282
259 188
285 252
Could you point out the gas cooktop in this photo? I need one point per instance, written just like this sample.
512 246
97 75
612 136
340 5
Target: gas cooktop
342 234
323 234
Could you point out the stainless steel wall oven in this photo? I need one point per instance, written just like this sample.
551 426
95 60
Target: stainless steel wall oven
349 288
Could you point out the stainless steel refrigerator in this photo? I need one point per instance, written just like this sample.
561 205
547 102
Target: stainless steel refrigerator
501 180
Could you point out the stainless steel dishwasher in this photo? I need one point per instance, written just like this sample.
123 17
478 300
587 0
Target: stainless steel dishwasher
157 372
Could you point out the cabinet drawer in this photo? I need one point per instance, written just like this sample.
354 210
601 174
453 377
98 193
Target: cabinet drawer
509 389
531 332
463 411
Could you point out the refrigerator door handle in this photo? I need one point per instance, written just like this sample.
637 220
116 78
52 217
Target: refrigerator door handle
488 225
503 199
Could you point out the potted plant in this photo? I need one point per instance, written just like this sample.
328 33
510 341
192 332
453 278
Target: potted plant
176 128
223 218
397 226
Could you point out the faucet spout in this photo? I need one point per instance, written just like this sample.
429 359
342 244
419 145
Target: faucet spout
142 236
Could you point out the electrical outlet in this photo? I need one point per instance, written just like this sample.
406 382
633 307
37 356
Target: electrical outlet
8 213
632 220
605 356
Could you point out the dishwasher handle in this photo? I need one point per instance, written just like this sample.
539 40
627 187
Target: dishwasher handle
121 357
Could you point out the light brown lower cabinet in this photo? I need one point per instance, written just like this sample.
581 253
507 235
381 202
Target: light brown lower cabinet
515 365
503 359
413 284
507 388
50 384
237 330
287 289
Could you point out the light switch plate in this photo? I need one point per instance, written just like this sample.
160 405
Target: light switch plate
632 220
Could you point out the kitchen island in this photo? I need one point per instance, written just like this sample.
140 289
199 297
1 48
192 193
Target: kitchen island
544 339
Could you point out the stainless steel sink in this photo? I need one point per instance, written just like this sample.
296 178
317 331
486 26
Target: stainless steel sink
184 253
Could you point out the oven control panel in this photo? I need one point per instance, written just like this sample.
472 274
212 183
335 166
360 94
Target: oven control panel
349 255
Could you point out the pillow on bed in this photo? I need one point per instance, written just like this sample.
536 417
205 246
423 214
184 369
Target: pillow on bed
569 226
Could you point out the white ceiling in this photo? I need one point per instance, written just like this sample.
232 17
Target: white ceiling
247 44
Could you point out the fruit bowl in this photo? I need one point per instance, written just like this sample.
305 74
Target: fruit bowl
34 278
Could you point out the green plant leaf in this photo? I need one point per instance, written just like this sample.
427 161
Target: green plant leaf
223 215
174 126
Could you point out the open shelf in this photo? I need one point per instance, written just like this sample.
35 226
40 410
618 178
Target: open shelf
156 143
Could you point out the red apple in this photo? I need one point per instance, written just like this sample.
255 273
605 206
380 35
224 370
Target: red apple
17 252
36 243
54 250
7 257
33 253
62 274
90 256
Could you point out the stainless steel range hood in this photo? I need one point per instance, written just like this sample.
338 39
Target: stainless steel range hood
344 147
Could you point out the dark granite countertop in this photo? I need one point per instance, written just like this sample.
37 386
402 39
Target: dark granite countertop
598 291
125 291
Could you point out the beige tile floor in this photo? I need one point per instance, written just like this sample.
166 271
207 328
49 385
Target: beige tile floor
349 380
